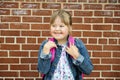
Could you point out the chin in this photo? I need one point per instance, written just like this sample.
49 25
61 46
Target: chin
58 38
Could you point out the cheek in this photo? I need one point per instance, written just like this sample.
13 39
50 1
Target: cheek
51 31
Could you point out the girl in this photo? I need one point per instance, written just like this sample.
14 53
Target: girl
71 59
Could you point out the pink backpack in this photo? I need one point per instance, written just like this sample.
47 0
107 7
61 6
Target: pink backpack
52 50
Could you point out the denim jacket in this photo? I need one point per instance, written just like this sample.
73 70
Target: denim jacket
81 65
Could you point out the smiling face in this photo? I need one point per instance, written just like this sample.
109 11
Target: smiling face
59 30
60 23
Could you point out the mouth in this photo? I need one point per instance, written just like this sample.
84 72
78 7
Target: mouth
57 32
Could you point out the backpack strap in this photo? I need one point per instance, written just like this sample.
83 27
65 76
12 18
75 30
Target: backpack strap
52 50
71 40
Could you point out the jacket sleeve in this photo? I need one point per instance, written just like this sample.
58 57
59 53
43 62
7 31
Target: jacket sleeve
43 60
83 62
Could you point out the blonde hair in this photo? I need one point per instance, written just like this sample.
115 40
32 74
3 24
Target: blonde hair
64 15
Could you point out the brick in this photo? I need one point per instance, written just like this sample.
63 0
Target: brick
112 47
9 40
94 47
112 20
29 78
92 34
103 79
112 7
61 0
32 19
9 60
77 20
10 33
119 41
38 79
4 12
110 74
82 0
46 20
10 19
112 41
1 39
116 54
116 27
40 26
30 33
42 12
30 5
92 6
19 78
19 0
81 27
112 1
111 34
34 54
21 12
110 61
92 40
29 60
93 20
20 40
29 74
46 33
117 13
40 0
51 6
72 6
9 74
102 27
116 67
3 67
19 26
102 1
33 67
76 33
101 54
3 54
94 74
102 67
72 0
103 13
19 67
31 40
40 40
18 54
9 79
51 0
92 1
8 5
4 26
10 47
83 13
30 47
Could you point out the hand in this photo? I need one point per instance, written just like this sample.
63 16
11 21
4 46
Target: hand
48 46
73 51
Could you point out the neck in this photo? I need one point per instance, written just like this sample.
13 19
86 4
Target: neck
60 42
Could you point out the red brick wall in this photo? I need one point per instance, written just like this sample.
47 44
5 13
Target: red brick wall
24 24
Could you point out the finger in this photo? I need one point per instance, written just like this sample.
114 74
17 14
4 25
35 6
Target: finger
54 45
71 44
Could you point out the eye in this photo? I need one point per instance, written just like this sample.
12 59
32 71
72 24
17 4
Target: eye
53 26
61 26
